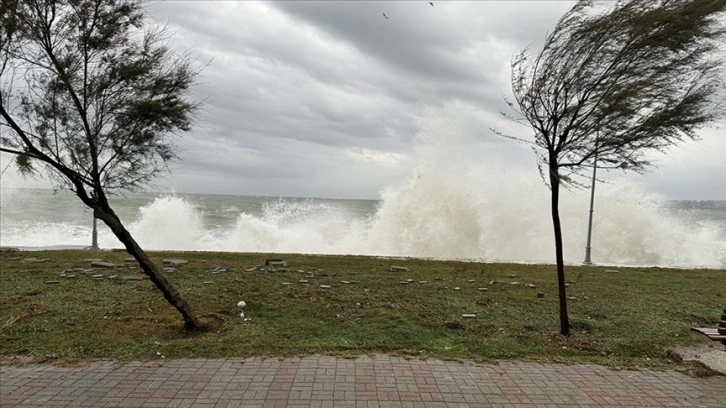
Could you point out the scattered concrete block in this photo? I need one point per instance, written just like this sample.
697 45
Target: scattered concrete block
102 264
275 262
52 282
324 286
394 268
469 316
36 260
174 262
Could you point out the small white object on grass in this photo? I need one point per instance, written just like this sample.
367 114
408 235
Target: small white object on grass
241 304
242 315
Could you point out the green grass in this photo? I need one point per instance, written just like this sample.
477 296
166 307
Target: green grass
628 319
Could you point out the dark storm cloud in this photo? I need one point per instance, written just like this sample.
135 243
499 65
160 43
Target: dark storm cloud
455 46
414 38
331 98
282 76
269 85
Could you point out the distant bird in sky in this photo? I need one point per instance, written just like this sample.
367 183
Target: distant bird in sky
385 16
431 3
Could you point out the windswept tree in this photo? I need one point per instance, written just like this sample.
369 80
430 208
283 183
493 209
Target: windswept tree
615 82
91 99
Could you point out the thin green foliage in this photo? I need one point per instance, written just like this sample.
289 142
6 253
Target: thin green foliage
615 82
91 97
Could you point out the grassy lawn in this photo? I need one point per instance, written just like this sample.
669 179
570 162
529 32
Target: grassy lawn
628 318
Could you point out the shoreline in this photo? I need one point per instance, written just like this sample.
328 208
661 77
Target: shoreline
21 248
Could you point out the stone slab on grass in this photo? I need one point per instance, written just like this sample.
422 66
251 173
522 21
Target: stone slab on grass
102 264
174 262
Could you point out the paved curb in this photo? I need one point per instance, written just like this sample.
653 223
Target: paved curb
371 381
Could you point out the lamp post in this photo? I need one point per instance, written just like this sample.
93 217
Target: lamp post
94 231
592 204
94 235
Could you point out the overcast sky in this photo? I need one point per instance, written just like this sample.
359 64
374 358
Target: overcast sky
330 99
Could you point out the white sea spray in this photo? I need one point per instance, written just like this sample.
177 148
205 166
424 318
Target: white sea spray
461 200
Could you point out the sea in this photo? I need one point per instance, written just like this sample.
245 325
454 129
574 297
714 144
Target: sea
425 217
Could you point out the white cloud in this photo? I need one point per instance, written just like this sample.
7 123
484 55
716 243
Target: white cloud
375 156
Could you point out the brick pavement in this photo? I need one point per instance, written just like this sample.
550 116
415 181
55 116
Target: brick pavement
366 382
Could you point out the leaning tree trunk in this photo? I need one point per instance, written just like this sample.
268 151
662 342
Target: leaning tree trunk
555 185
191 322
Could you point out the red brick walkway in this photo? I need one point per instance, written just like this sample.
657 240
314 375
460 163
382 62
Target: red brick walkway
379 381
